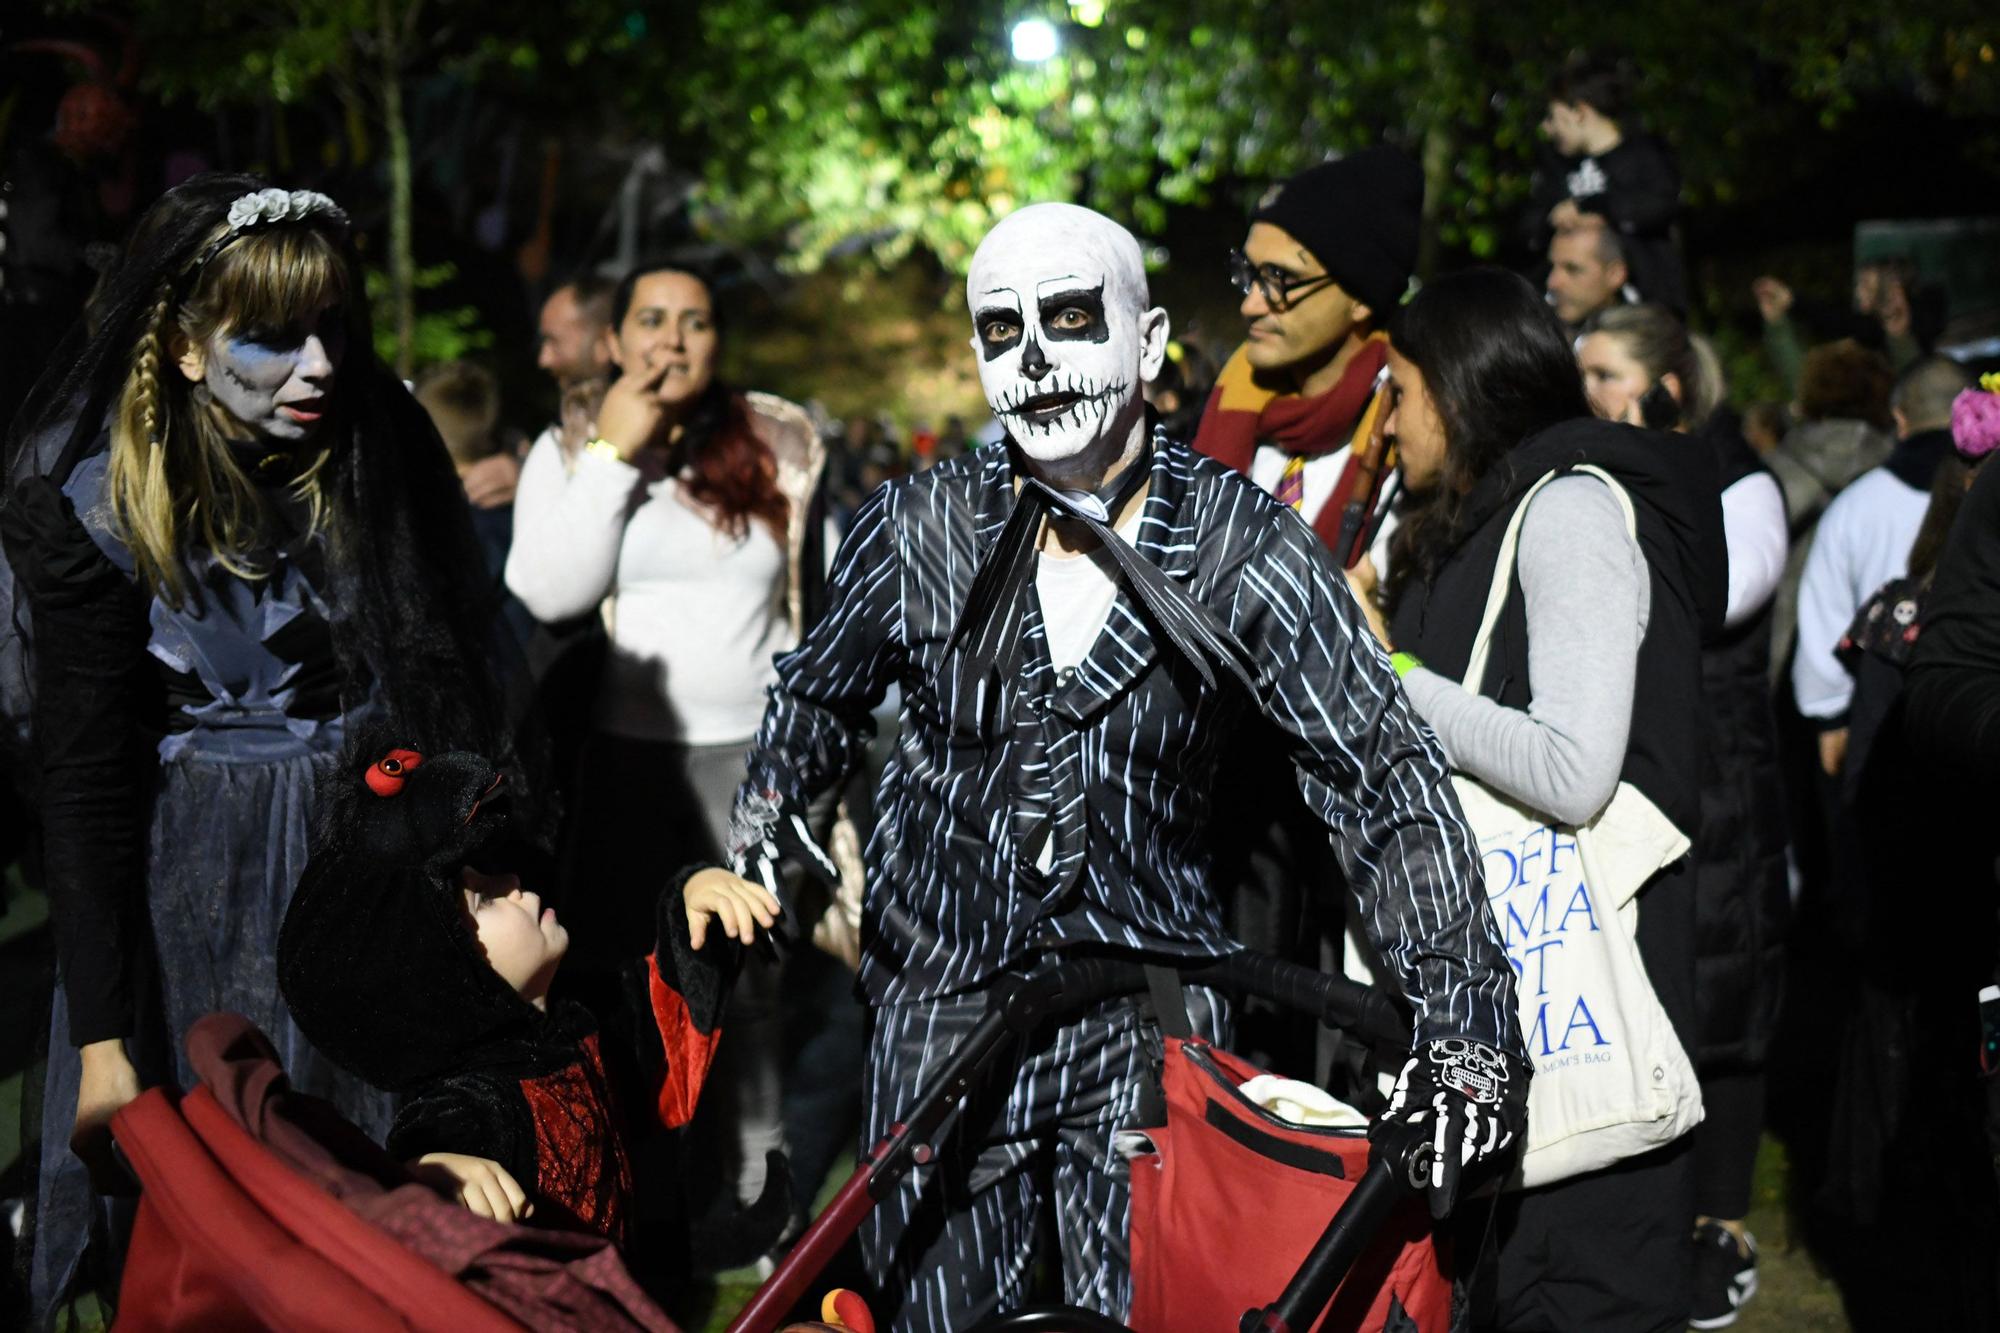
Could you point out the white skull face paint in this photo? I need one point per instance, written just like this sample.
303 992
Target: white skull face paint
277 383
1062 329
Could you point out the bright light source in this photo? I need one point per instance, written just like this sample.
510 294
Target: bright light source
1035 40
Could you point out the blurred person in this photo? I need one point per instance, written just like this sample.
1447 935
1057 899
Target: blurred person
1884 316
570 343
1642 367
1587 275
1765 425
1598 173
1863 541
1915 1104
1595 674
1841 428
463 401
1295 408
1180 392
692 520
237 536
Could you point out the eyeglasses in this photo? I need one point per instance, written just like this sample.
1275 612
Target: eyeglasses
1281 290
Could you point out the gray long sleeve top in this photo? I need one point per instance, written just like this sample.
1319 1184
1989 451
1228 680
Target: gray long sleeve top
1588 594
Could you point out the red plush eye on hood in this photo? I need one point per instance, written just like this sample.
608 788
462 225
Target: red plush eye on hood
386 775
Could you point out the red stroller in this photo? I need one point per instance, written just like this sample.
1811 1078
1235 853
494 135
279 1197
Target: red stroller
262 1208
1358 1215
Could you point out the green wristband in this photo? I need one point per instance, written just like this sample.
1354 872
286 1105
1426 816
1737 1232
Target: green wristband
1404 663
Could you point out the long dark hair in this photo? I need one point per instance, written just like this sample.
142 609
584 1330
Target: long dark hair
729 469
1499 369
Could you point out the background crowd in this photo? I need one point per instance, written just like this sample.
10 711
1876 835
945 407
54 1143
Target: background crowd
655 522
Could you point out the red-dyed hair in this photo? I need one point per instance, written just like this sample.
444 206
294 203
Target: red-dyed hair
731 470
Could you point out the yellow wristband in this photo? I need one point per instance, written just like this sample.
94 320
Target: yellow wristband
603 448
1404 663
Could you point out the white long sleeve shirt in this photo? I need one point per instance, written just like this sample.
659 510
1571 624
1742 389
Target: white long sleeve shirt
1755 534
1862 541
695 615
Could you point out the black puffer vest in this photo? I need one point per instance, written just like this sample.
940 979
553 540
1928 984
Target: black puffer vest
1680 534
1741 898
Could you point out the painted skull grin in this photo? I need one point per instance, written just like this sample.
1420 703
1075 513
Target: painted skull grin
1064 405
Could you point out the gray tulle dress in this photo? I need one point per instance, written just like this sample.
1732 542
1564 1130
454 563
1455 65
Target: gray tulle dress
227 843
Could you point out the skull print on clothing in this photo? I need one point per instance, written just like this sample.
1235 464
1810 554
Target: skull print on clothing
1457 1102
1064 332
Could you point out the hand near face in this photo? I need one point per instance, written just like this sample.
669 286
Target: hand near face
632 413
1565 216
739 905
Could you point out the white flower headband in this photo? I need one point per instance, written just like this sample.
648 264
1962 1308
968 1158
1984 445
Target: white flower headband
262 208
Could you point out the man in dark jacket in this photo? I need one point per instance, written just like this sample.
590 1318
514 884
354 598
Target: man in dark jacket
1598 171
1052 786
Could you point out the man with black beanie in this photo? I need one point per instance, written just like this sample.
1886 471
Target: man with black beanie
1328 257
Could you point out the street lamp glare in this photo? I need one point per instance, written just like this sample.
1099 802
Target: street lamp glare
1035 40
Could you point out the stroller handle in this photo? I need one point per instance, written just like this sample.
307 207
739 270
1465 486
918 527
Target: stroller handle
1073 984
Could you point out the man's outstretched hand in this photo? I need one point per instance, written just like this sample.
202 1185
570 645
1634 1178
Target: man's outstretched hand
1457 1102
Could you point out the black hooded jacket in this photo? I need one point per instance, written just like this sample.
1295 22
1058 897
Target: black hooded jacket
384 974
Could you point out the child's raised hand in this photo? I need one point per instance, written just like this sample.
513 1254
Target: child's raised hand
480 1183
740 906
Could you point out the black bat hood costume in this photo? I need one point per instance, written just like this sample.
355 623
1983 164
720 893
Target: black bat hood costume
383 972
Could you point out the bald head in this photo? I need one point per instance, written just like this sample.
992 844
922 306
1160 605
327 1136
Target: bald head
1040 232
1923 394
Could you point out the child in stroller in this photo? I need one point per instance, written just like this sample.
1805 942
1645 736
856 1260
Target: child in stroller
410 965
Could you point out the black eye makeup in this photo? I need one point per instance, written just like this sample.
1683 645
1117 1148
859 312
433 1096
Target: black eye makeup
999 330
1075 316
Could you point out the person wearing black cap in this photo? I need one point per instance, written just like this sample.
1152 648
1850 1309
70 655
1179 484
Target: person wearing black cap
1328 256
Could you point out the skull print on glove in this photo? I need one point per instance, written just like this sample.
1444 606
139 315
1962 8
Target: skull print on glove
1457 1102
766 834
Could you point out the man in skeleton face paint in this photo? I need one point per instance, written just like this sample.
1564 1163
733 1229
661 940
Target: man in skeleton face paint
1077 619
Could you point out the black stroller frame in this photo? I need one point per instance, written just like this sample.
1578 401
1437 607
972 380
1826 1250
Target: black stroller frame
1021 1001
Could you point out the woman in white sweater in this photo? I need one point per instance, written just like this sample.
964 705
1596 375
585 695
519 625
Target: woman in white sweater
690 520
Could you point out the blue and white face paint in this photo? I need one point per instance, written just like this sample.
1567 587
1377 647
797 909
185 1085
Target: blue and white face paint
276 384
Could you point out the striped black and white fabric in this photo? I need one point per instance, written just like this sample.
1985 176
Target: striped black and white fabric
1115 762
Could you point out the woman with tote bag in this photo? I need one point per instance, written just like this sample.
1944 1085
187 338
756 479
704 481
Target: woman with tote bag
1549 589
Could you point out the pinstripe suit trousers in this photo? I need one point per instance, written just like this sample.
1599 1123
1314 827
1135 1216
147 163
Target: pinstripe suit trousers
957 1242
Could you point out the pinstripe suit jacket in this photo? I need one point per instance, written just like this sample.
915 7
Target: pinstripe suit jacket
1119 756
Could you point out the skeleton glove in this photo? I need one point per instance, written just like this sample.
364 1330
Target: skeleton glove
768 833
1457 1102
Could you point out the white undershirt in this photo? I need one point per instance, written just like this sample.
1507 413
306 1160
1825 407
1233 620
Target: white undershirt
1076 593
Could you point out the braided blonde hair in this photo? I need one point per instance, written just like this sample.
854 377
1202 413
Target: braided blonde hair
174 484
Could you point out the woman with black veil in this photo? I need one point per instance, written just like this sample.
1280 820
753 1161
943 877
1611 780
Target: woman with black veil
232 534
